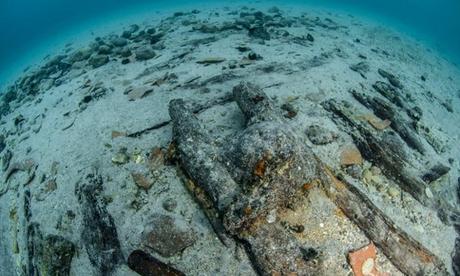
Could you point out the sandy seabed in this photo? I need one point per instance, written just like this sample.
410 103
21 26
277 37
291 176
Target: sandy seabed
104 107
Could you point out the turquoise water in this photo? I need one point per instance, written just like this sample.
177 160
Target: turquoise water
29 29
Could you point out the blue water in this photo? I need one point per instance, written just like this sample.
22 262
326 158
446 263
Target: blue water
30 26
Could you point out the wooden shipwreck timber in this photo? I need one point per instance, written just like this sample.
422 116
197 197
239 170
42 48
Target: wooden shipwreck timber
264 169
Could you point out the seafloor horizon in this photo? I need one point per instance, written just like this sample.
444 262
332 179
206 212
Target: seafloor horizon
250 140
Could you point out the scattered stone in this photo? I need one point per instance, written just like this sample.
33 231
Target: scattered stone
139 92
144 53
147 265
98 60
125 61
210 60
206 28
254 56
243 48
119 41
80 55
104 50
362 68
291 110
319 135
142 180
415 113
350 155
120 157
448 105
435 173
310 38
355 171
394 192
130 31
259 32
391 78
168 236
274 10
423 78
170 204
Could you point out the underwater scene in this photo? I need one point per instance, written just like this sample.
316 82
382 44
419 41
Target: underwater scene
229 137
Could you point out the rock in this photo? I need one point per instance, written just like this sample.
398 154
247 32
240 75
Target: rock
99 234
206 28
291 110
350 155
435 173
104 50
448 105
415 113
362 68
319 135
168 236
354 171
130 31
119 41
274 10
98 60
154 39
362 261
80 55
243 48
310 38
10 96
170 204
144 53
120 157
254 56
147 265
142 179
211 60
394 192
124 52
259 32
139 92
391 78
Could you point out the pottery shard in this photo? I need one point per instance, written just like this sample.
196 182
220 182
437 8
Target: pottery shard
377 123
362 261
142 180
168 236
350 156
139 92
